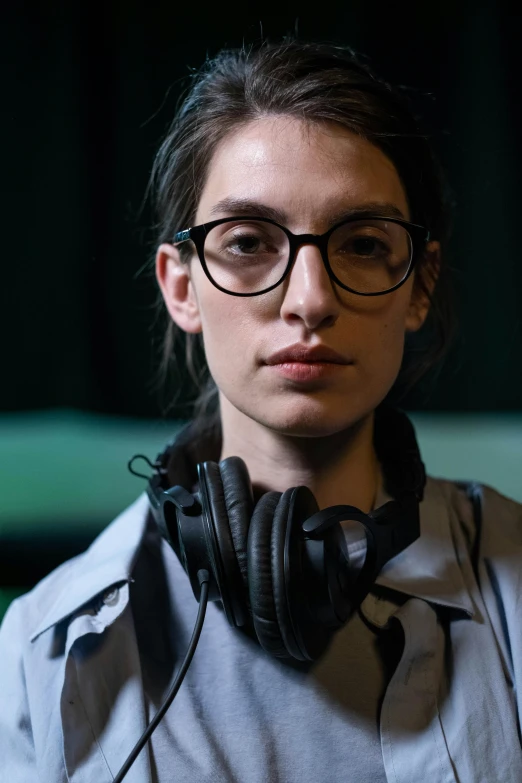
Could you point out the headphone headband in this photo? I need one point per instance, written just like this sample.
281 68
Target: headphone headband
282 564
394 440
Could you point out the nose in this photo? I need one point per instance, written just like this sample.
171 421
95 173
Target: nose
309 293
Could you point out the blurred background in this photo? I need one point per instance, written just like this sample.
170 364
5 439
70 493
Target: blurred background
88 91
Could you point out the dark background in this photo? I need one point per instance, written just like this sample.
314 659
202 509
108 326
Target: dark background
89 89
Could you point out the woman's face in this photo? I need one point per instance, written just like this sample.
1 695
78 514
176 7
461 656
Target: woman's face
310 174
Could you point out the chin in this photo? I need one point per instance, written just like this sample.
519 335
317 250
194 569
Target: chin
310 419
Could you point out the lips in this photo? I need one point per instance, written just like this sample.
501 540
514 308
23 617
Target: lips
304 353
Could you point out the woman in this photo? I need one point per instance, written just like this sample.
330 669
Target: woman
304 340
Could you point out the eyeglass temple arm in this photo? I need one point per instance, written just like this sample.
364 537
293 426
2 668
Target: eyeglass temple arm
182 236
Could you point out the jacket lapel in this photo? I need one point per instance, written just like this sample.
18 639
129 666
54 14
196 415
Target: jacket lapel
102 704
426 732
412 740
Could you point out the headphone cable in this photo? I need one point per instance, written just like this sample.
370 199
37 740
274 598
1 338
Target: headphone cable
203 578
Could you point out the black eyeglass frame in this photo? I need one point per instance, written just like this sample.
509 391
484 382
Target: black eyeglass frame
419 236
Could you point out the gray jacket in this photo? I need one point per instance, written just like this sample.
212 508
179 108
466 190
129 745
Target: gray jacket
71 710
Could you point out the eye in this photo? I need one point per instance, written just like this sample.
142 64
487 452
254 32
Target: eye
245 243
358 243
368 246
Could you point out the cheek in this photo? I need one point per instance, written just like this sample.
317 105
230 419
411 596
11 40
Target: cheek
391 337
382 339
227 336
391 331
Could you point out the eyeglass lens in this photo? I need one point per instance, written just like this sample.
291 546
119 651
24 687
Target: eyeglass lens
368 256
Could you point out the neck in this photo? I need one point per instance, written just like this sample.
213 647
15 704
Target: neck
339 469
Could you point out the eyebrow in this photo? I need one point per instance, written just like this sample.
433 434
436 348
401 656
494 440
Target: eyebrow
248 208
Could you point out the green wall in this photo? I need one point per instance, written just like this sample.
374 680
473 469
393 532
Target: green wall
64 470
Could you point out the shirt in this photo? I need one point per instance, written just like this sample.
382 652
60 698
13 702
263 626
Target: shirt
241 714
72 696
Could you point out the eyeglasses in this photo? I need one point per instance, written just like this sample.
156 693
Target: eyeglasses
248 256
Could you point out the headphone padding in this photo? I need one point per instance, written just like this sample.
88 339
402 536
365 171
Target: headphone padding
239 502
218 501
259 549
279 530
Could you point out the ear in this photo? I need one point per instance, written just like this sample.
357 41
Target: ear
174 279
427 277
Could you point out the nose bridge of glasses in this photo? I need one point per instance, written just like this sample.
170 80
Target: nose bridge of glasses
299 241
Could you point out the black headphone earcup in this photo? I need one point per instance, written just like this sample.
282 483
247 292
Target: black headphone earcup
232 503
265 572
239 502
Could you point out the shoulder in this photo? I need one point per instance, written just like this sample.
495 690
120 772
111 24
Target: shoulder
489 524
501 516
108 560
25 613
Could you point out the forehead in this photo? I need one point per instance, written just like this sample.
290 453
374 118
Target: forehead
306 171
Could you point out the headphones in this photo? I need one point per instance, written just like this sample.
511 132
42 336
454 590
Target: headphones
282 568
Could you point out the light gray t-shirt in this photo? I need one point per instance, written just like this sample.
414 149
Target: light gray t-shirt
243 716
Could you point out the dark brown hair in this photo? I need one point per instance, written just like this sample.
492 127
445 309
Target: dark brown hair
316 82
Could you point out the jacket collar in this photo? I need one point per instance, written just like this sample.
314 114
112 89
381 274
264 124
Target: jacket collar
427 569
108 561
